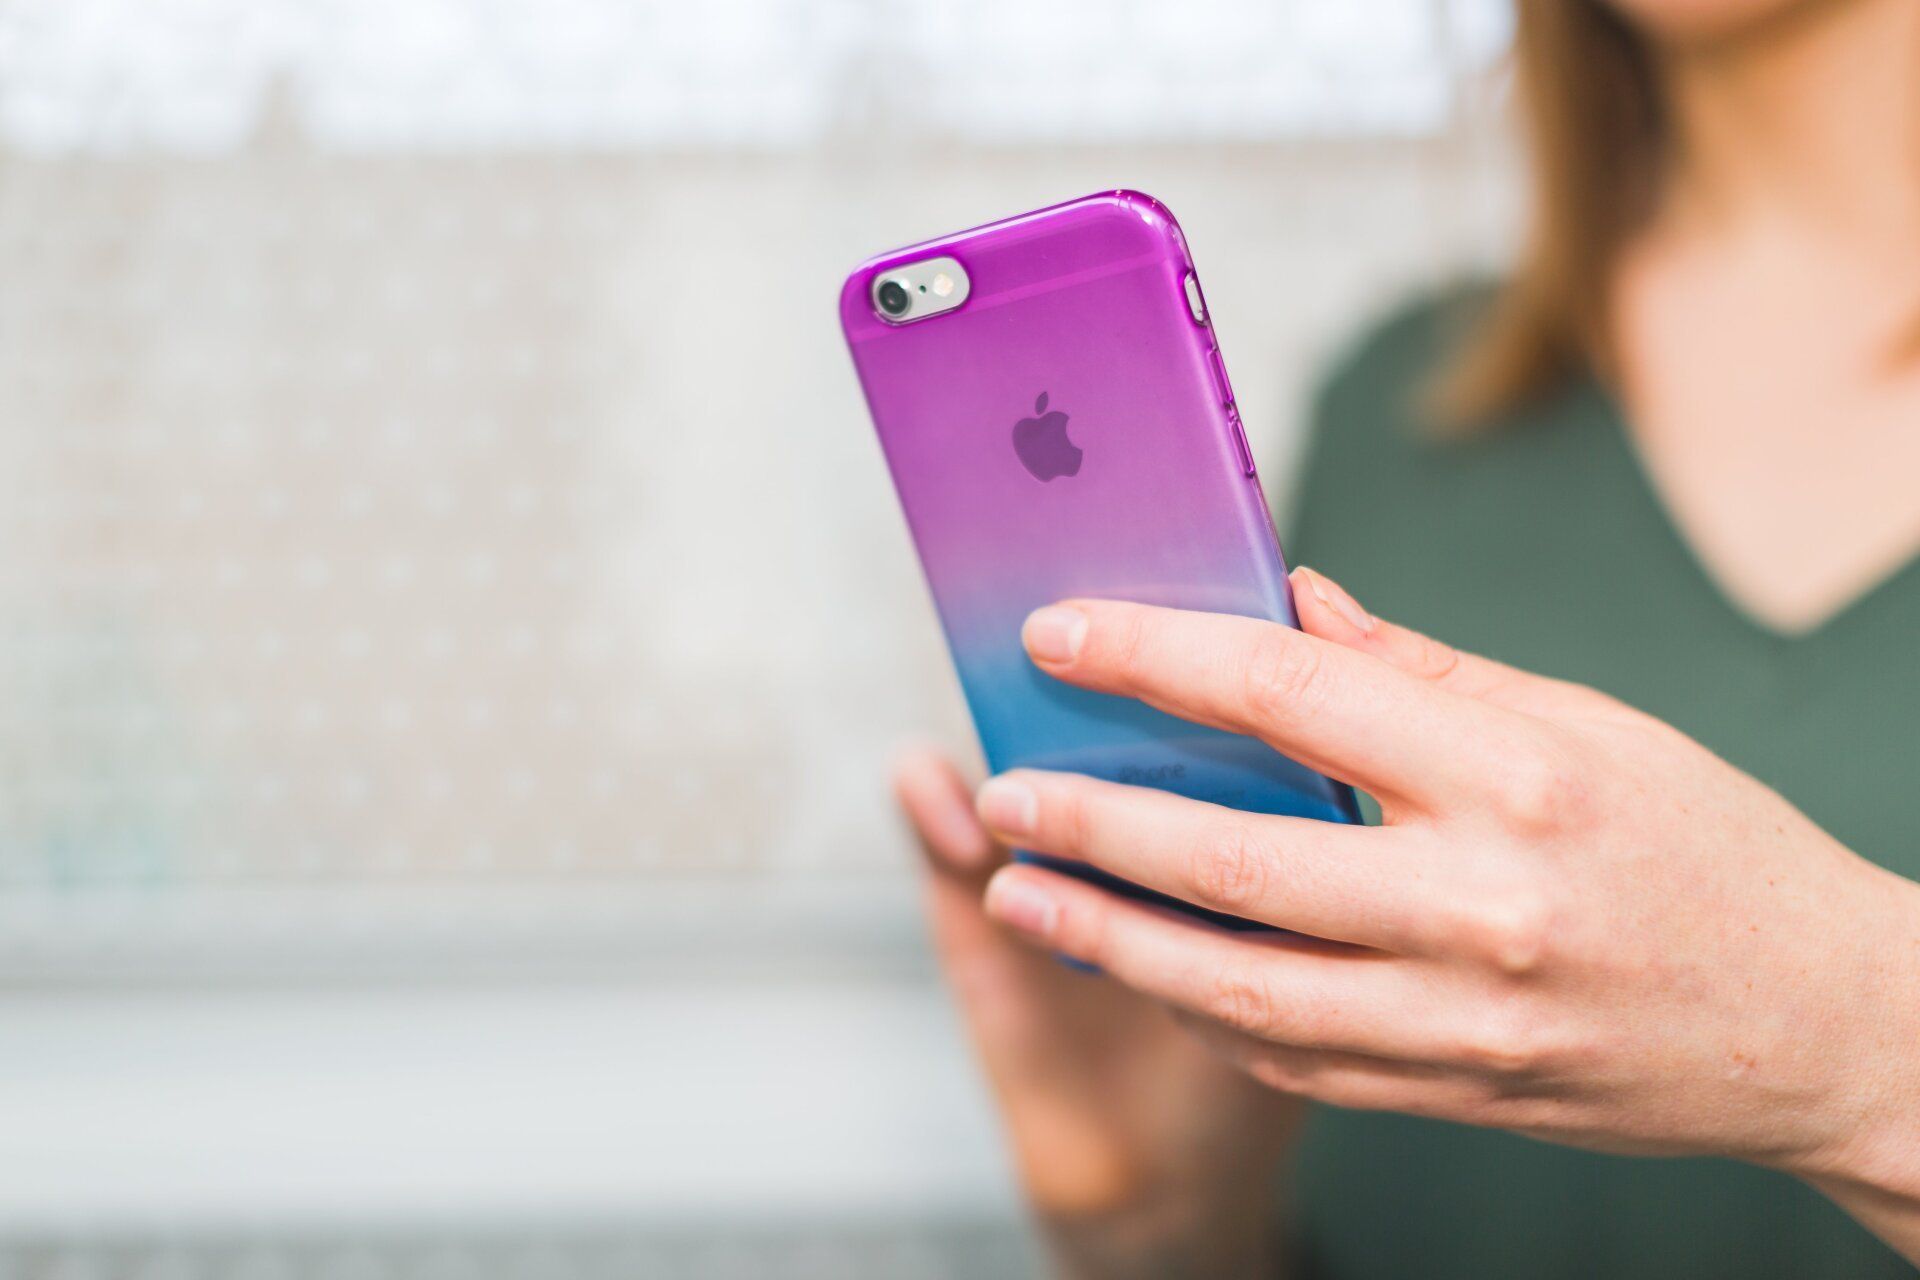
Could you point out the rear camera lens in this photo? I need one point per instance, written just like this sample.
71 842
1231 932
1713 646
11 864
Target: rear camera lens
893 298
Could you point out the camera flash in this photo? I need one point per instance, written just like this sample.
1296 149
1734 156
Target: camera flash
942 285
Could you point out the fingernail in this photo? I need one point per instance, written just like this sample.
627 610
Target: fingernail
1335 597
1055 633
1020 904
1009 806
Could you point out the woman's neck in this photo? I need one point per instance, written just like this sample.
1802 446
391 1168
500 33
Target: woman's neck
1811 117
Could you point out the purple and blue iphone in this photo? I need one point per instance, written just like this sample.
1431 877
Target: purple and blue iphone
1054 410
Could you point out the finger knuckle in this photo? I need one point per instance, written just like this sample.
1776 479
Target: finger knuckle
1070 815
1127 642
1083 931
1282 1071
1435 660
1542 791
1230 868
1513 930
1506 1039
1282 678
1245 1001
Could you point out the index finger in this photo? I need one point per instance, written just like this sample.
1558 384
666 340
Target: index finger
1338 711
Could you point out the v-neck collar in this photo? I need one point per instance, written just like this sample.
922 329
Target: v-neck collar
1648 490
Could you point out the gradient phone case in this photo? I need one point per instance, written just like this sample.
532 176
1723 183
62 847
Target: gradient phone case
1069 431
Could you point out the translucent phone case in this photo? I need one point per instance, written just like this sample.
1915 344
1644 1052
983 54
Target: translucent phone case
1069 431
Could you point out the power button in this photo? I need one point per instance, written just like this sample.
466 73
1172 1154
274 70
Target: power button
1240 440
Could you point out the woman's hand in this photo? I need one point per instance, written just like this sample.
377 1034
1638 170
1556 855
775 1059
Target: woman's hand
1143 1154
1575 923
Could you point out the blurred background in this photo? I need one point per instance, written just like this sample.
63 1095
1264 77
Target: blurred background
454 621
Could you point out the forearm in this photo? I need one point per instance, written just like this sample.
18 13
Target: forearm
1893 1216
1229 1229
1241 1238
1873 1172
1875 1176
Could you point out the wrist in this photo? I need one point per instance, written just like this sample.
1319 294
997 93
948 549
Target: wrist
1880 1191
1870 1163
1234 1234
1207 1203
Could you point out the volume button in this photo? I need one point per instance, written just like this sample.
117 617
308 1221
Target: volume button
1220 383
1240 440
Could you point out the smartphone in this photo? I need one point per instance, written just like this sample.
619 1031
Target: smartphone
1049 394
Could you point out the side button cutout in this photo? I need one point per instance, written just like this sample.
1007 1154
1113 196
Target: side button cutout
1240 440
1196 304
1220 383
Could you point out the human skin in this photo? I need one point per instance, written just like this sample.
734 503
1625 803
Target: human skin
1574 922
1141 1152
1753 322
1766 322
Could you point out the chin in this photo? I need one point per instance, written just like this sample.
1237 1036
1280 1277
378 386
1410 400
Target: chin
1693 21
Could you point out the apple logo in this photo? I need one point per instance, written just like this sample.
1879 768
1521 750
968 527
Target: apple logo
1042 443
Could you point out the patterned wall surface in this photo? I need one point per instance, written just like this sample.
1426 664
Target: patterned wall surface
512 517
454 621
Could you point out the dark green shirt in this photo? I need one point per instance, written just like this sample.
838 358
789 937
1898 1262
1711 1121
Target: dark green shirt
1542 544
